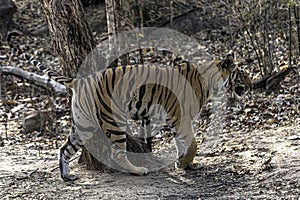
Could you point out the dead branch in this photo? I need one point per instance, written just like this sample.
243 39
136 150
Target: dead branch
271 81
40 81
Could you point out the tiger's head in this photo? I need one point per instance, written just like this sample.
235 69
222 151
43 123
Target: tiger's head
236 81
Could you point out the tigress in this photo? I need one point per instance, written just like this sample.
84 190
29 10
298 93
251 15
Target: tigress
104 99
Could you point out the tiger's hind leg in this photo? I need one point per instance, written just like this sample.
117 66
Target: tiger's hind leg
69 148
119 154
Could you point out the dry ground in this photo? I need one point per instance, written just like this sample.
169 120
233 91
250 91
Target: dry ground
254 165
258 162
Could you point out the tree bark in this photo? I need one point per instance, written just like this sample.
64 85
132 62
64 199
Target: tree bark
72 41
71 37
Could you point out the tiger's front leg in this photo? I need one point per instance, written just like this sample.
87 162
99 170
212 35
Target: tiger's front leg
185 143
186 150
186 154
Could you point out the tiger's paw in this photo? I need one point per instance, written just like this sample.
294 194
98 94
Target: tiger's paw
193 166
69 177
178 165
190 166
140 171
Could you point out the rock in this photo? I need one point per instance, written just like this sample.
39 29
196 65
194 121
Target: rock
36 121
294 137
7 8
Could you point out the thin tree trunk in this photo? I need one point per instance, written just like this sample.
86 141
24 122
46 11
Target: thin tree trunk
290 34
297 17
116 12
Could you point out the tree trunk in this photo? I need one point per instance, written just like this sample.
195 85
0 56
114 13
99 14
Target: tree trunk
70 34
72 41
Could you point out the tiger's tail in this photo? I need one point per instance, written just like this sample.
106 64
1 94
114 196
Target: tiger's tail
57 77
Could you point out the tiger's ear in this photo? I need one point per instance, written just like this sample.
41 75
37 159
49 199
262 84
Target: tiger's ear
13 33
228 62
230 55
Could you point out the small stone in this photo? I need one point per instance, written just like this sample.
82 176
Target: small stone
294 137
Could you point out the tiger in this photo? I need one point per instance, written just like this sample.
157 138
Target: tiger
104 99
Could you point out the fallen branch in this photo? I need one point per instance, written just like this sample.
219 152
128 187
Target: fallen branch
36 79
271 81
27 176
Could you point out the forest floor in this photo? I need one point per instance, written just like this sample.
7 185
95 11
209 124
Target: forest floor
256 156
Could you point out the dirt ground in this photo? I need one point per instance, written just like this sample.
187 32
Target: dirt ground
253 165
257 157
